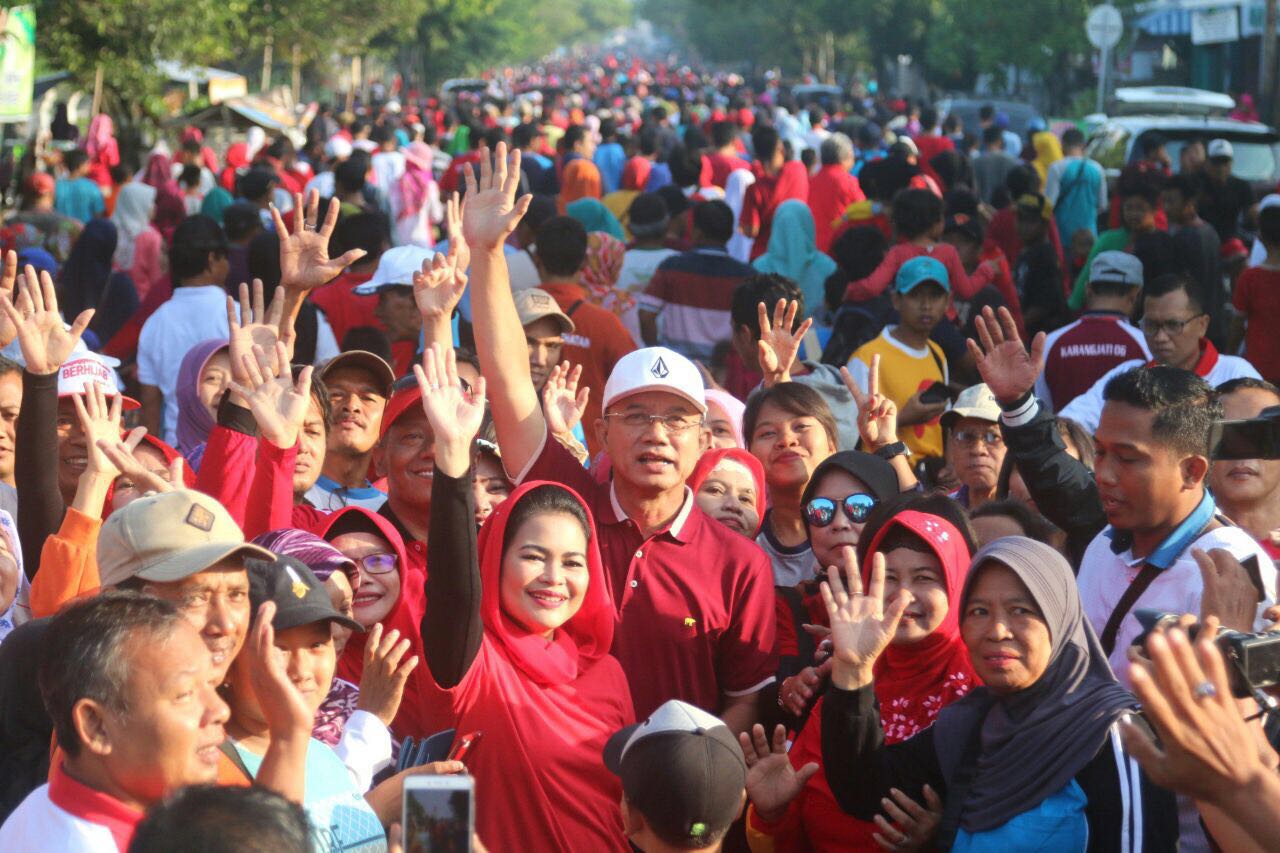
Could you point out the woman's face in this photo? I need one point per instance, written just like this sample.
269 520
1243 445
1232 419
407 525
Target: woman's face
126 491
788 446
721 426
1005 631
311 446
729 496
490 485
921 575
213 380
308 657
827 541
377 592
544 572
343 600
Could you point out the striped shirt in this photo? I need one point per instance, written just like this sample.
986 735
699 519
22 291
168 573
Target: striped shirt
692 293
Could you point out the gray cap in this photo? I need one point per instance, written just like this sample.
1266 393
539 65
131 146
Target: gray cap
1116 267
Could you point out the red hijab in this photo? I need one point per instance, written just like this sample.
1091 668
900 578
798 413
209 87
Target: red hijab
914 681
635 173
580 642
708 461
169 454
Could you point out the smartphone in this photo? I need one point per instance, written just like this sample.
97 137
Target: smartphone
938 392
439 813
463 745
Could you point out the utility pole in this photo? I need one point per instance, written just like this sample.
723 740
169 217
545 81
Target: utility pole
1267 84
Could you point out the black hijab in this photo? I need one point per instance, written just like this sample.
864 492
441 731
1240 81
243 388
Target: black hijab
1033 742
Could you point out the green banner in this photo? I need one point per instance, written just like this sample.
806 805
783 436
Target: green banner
17 62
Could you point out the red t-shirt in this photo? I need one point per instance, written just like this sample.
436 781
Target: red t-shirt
1077 355
931 146
343 307
695 600
723 165
831 191
1257 294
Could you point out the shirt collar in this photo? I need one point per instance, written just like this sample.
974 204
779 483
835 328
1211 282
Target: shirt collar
1168 551
1206 363
678 528
389 514
357 493
88 804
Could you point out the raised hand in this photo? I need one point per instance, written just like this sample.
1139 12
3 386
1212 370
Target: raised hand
1229 593
492 210
134 475
562 401
257 325
100 420
279 404
385 673
8 279
772 783
779 345
453 208
862 626
46 343
1002 360
304 255
877 414
913 825
455 415
438 286
284 709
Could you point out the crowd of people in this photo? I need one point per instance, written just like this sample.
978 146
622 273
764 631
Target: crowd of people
725 472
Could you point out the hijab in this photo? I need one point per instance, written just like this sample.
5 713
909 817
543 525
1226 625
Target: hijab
215 203
169 453
18 610
87 281
874 473
635 173
135 205
735 190
594 216
914 680
417 179
600 271
1035 741
581 179
319 556
194 421
793 253
1048 151
101 141
711 459
580 642
733 407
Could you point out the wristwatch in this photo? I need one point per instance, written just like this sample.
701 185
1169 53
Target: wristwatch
889 451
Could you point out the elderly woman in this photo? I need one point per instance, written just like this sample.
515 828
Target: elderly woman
1030 761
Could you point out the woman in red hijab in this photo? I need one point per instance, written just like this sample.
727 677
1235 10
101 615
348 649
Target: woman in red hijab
170 208
925 668
517 635
729 485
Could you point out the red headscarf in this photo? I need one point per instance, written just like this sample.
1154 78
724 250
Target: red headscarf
170 209
580 642
169 454
708 461
414 717
914 681
635 173
581 179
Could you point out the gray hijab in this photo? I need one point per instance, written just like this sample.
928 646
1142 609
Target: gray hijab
1030 744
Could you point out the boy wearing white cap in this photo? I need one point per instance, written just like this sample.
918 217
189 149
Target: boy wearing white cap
695 600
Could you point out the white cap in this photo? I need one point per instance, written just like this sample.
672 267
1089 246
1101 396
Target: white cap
655 369
88 367
1220 148
396 266
338 148
976 401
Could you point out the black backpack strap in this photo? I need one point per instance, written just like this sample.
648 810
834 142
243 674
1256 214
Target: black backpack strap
574 307
233 755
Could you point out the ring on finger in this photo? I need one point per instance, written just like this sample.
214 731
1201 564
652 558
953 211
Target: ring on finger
1205 690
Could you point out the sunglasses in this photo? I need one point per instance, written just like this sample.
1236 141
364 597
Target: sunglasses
822 511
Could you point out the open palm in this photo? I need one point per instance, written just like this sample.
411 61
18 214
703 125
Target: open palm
772 783
254 325
45 340
8 280
780 340
279 404
861 625
562 401
438 286
304 255
492 210
1002 360
454 415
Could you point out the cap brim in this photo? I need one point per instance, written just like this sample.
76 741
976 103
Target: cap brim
700 404
307 614
127 403
913 285
363 359
614 746
950 416
189 561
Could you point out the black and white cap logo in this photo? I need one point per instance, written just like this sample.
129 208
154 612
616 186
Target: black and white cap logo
659 369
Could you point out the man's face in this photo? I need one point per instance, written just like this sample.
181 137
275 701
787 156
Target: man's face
651 458
168 734
975 451
1139 480
1173 329
1138 214
922 307
216 603
398 313
1175 206
10 404
1192 156
1218 169
73 450
545 346
1239 483
356 401
407 456
967 249
311 444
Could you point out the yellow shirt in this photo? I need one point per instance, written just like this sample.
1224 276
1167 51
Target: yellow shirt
904 370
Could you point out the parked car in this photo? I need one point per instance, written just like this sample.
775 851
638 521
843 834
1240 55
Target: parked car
1020 115
1118 141
1169 100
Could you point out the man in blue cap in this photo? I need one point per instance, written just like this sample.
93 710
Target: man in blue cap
910 363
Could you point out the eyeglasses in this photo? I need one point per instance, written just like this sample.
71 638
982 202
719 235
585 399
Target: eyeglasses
642 420
1172 328
969 437
822 511
378 564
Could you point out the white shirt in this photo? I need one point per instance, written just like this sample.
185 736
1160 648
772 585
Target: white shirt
1104 576
1087 408
193 314
365 748
637 268
37 825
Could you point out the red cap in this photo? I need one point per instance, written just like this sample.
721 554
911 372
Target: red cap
402 399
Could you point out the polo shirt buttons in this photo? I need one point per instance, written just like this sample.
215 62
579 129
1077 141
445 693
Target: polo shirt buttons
635 584
640 554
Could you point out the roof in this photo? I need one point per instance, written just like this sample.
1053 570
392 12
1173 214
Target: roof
193 73
1142 123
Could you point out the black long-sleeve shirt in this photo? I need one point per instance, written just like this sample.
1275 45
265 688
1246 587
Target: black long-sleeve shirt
36 466
451 625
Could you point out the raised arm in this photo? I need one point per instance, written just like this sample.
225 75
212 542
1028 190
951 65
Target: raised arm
451 627
491 214
438 286
779 342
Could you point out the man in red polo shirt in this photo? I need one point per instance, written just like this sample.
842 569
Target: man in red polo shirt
695 601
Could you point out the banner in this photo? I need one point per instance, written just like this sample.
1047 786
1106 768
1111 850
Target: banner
17 62
1214 26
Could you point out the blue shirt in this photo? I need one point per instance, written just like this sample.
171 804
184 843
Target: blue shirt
609 159
1057 825
78 198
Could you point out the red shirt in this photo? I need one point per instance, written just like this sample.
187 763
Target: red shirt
452 178
931 145
343 307
831 191
1257 294
963 286
723 165
1077 355
695 600
763 197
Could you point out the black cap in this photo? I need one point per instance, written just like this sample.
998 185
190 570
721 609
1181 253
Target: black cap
299 596
648 216
683 770
675 199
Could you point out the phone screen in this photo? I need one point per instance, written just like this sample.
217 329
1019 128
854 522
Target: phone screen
438 819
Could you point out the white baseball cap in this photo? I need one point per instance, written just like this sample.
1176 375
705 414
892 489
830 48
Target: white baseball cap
75 376
396 267
338 148
655 369
976 401
1220 148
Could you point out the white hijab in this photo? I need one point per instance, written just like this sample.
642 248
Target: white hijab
134 208
735 191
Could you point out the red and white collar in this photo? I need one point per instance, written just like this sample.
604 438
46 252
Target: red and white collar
1205 364
93 806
